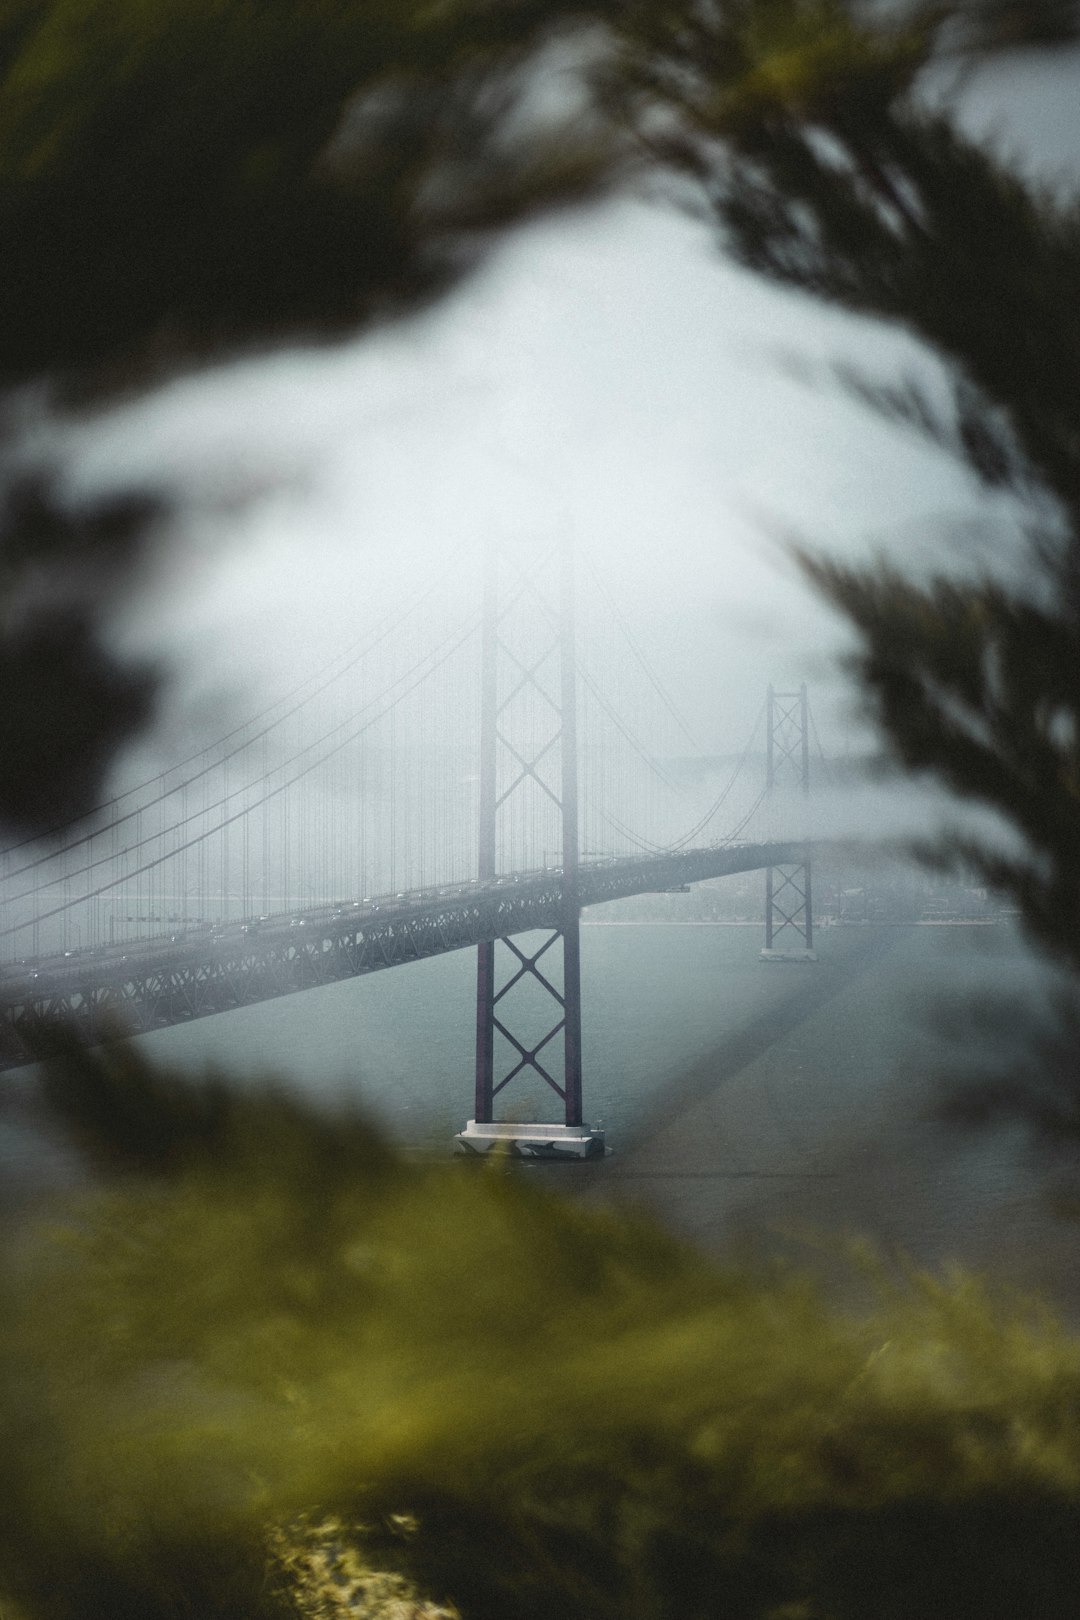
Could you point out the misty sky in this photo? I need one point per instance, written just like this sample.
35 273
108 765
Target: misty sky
608 373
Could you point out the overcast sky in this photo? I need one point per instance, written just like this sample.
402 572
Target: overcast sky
607 372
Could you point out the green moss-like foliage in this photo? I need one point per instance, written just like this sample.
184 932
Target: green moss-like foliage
278 1349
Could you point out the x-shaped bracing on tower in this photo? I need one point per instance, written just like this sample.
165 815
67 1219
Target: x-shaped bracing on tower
529 1057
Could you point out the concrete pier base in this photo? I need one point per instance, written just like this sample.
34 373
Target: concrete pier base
532 1141
789 955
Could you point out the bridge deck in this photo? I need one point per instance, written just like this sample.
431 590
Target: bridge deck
172 980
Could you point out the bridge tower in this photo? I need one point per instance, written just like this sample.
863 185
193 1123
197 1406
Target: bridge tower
528 995
788 889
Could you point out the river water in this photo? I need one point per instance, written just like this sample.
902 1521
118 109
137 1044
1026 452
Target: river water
737 1095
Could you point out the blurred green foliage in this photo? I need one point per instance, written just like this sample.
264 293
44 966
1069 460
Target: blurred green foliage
184 178
828 140
267 1367
283 1363
184 181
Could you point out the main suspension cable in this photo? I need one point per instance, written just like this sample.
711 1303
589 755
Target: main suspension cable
719 800
650 674
178 826
366 645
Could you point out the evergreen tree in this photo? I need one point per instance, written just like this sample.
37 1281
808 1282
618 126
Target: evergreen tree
192 179
830 169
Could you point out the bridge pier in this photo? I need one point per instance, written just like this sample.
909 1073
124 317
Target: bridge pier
514 768
524 1141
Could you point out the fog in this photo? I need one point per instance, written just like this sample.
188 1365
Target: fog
608 375
608 372
242 1280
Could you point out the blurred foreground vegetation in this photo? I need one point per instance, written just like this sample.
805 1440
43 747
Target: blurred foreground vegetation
263 1366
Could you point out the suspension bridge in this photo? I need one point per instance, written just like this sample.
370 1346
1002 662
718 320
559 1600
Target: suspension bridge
442 783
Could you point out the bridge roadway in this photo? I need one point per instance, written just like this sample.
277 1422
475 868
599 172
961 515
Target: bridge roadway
173 979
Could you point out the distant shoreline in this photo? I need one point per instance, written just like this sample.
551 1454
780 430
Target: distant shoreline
697 922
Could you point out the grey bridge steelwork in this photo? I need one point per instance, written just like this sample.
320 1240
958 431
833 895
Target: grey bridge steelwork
173 981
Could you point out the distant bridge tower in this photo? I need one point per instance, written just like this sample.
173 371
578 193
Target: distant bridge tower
528 1017
789 920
